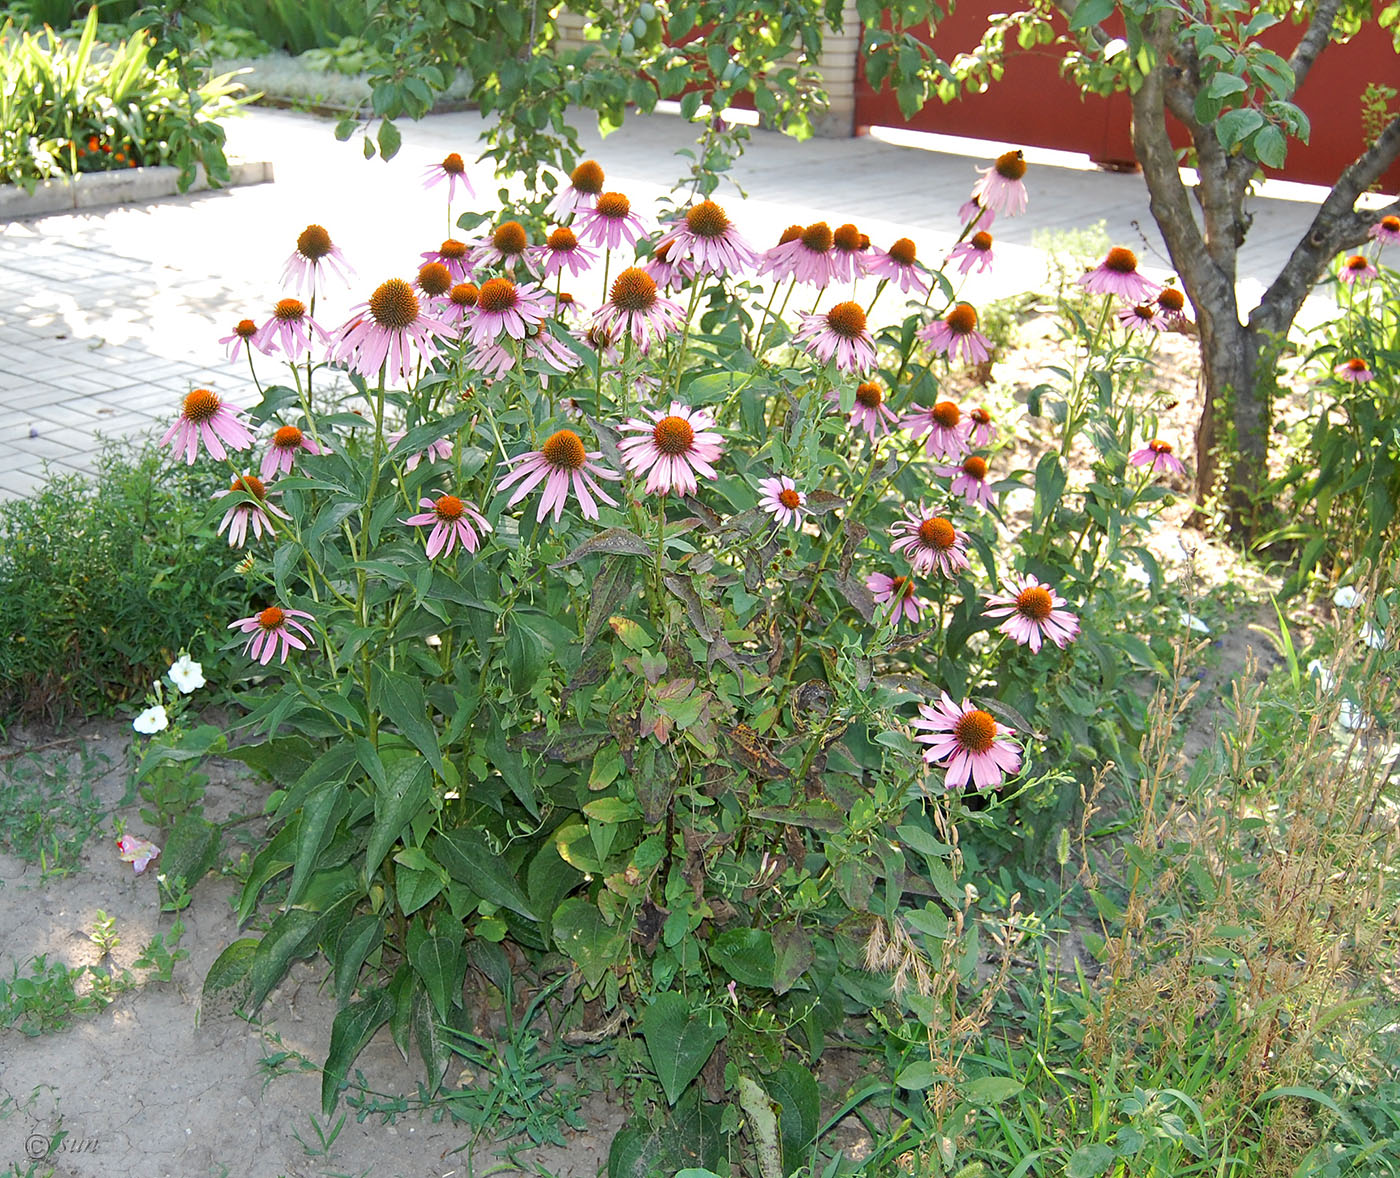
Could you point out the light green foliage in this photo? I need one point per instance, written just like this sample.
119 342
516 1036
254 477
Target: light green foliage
47 807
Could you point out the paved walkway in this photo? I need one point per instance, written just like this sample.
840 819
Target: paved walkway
108 317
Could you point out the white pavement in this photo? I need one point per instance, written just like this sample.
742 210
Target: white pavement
109 316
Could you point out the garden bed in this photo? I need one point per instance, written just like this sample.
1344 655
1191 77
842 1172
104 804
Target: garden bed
90 190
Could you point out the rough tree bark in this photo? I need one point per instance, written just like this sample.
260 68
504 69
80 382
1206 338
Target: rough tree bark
1204 240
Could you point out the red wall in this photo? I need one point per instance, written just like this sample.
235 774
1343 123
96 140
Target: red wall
1035 106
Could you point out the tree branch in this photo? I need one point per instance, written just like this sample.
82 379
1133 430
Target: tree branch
1313 42
1336 227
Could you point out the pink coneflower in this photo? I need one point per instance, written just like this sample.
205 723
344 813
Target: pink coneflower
967 742
970 480
461 302
666 270
453 170
674 447
386 330
782 500
780 261
900 592
847 259
973 212
508 244
434 279
945 425
273 628
314 251
286 442
253 509
601 341
610 222
562 252
243 332
1354 370
495 361
581 192
809 257
838 334
634 308
1001 188
289 328
561 461
1158 456
1143 317
956 335
982 432
204 417
565 306
1386 230
1172 304
1118 275
708 240
870 412
930 542
451 519
1033 612
973 254
454 255
897 264
1357 268
504 306
438 451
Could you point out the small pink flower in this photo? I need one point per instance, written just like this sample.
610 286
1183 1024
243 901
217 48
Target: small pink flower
451 519
454 255
243 332
452 170
1386 230
384 333
1001 188
945 425
839 334
930 542
956 335
972 213
973 254
314 251
610 222
983 431
270 629
967 742
441 450
1033 613
970 480
707 239
1357 268
1354 370
291 329
869 412
807 257
1143 317
136 851
204 417
460 304
507 245
286 443
634 308
502 306
666 271
562 252
252 509
898 591
1118 275
1157 456
847 256
898 264
673 447
562 460
581 192
1171 303
779 261
782 500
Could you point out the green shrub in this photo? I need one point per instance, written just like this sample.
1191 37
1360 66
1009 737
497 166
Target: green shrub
104 580
72 104
294 25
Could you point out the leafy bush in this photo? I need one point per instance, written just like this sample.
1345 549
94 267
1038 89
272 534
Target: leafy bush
294 25
104 580
70 105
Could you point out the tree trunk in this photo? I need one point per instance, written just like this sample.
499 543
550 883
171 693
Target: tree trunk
1236 417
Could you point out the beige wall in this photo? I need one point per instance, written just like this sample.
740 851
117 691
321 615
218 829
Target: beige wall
837 66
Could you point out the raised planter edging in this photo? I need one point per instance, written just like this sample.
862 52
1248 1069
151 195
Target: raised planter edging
94 189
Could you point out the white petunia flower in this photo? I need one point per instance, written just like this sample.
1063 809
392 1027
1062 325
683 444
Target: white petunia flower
1325 679
1134 572
186 674
1351 717
1346 597
1372 637
151 721
1194 623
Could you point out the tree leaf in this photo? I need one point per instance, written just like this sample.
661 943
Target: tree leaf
680 1041
1088 13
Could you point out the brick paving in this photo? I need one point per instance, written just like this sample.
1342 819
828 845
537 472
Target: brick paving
108 316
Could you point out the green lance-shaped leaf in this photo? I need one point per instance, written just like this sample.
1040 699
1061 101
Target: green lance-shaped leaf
353 1028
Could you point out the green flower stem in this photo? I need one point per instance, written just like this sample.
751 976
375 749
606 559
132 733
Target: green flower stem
685 337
